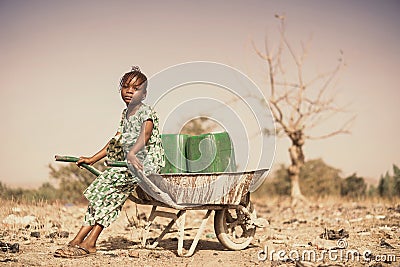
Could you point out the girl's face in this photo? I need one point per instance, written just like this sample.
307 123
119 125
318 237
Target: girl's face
133 92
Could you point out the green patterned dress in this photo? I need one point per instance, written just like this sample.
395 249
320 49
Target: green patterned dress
110 190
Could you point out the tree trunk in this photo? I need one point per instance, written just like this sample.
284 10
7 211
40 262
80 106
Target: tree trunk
294 178
297 161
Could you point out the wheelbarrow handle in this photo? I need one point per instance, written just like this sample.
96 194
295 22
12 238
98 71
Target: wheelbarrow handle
75 159
111 163
66 158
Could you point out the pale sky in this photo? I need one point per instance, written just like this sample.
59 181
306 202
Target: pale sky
61 62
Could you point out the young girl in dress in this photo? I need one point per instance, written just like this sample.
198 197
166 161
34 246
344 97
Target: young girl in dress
139 137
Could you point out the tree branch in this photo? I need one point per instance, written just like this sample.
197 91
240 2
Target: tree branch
345 129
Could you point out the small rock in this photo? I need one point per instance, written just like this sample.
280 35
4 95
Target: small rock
55 224
154 255
356 220
385 228
8 260
364 233
35 234
7 247
290 221
396 209
13 219
385 244
261 222
14 248
51 235
133 253
63 234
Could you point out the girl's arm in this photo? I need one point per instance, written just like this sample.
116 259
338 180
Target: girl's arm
96 157
143 138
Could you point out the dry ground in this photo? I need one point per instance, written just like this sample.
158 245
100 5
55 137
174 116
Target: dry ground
372 226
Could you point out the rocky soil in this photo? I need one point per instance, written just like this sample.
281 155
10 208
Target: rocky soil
322 233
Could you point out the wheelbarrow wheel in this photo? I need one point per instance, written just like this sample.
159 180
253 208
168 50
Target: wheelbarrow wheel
232 228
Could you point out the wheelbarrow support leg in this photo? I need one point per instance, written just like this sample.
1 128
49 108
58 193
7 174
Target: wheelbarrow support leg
146 229
156 213
167 228
181 232
196 238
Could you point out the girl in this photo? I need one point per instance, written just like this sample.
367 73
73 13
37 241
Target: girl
138 140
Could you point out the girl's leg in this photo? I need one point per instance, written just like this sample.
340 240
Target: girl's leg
81 235
88 245
90 242
106 200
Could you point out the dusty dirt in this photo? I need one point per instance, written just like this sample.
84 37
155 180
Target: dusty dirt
372 227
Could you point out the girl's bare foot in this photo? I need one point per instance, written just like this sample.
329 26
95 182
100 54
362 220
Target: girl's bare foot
76 252
70 244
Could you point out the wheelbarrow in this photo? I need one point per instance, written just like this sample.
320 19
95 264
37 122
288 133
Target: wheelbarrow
235 220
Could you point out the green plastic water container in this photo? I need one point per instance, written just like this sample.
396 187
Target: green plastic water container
175 147
212 152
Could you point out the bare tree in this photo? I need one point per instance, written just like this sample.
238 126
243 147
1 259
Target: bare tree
299 106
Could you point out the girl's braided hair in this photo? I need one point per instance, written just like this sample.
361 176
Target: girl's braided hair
129 76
